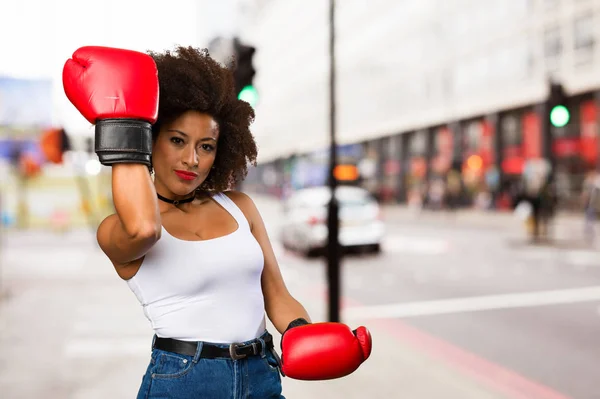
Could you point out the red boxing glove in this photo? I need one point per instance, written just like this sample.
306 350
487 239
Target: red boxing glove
117 90
323 351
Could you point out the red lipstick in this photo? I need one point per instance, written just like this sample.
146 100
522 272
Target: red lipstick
185 175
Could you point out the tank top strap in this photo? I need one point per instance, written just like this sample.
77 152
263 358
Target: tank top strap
232 208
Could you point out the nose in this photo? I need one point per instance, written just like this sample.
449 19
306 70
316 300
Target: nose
190 157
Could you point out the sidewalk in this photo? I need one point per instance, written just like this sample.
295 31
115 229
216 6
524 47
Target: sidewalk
567 228
472 217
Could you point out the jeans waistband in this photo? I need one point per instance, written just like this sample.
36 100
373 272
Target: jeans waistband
201 349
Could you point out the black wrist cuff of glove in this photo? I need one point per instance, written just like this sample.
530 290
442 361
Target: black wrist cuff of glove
123 141
295 323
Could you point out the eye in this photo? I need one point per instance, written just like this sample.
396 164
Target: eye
176 140
207 147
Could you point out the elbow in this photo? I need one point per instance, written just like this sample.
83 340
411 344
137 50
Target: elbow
148 232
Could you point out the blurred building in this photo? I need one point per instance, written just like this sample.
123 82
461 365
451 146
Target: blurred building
34 192
427 86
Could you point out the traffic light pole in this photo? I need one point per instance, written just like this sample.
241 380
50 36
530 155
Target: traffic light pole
333 245
556 116
244 72
546 128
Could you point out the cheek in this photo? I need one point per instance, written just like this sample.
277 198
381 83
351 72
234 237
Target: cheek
161 157
157 156
207 161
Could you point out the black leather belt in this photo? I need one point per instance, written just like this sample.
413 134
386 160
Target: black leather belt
235 351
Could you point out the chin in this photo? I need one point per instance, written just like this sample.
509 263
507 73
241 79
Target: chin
187 190
181 190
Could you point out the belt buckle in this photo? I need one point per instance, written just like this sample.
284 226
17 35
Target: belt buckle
233 352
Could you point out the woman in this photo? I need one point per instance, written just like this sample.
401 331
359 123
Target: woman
196 255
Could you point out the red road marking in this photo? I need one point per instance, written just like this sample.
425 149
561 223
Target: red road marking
493 375
497 377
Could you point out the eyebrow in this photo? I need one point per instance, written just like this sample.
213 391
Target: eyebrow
184 134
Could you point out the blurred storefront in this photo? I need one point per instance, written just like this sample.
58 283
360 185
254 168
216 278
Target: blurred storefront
575 149
478 160
391 169
465 96
483 160
417 167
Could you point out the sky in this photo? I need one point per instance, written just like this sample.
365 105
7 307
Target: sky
38 36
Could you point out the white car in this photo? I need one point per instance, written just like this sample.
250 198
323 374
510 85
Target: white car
304 227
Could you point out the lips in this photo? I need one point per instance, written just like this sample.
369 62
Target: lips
185 175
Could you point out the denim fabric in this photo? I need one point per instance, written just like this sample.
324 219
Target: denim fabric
174 376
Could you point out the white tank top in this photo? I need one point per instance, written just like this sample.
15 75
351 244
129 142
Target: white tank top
206 290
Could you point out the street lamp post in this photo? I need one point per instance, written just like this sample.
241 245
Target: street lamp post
333 245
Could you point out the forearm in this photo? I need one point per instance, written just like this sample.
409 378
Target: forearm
135 198
285 311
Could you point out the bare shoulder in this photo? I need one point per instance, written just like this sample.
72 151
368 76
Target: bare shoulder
241 199
245 203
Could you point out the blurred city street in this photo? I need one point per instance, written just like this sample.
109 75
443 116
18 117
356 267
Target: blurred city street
461 140
456 310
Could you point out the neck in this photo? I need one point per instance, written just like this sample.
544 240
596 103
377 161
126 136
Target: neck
176 201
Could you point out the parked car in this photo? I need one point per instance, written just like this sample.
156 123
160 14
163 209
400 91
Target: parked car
304 227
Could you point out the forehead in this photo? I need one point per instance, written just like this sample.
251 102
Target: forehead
194 123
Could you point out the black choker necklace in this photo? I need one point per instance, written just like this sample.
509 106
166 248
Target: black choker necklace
176 202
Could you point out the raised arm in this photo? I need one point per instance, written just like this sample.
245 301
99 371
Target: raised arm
117 91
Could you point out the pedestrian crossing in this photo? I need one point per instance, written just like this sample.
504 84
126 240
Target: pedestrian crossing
476 303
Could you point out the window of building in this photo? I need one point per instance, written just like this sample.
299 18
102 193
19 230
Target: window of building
583 34
392 147
418 143
552 42
473 133
584 40
511 131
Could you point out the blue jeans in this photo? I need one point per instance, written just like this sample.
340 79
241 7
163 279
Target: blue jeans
173 376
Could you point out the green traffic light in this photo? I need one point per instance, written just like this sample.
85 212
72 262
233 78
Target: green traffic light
559 116
249 94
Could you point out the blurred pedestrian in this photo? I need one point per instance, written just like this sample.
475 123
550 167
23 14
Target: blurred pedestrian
591 203
195 254
453 189
548 204
525 195
483 199
436 194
